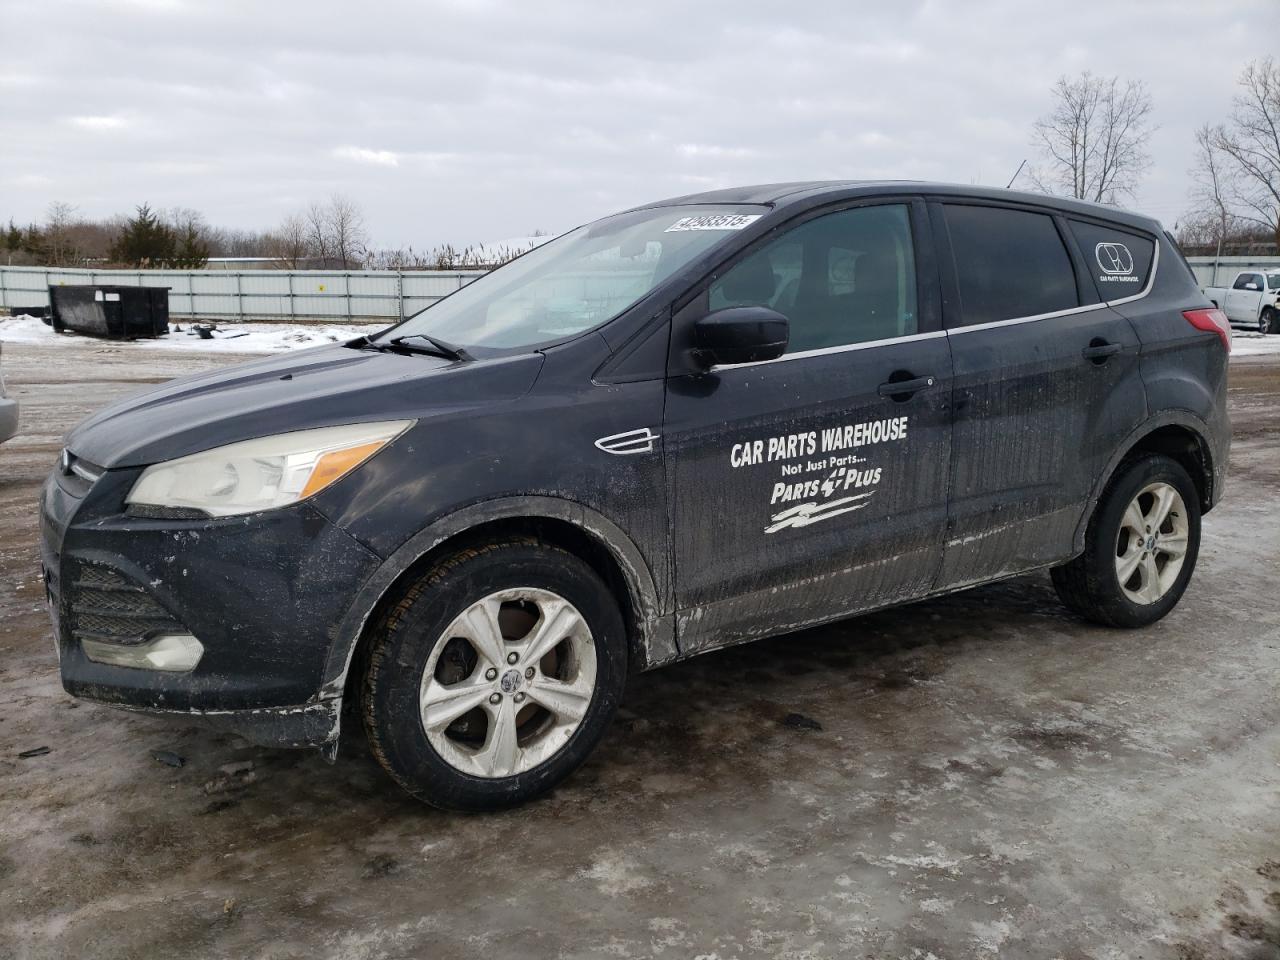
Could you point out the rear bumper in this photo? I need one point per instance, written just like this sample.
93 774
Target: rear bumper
8 418
262 594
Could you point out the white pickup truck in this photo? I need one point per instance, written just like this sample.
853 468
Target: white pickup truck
1252 300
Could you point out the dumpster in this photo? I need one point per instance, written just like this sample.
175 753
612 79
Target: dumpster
120 313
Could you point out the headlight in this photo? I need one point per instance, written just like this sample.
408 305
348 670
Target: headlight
265 473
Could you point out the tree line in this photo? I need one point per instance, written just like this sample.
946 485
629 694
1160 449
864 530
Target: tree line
326 235
330 235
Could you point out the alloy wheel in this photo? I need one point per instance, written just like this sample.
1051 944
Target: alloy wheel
1151 543
509 683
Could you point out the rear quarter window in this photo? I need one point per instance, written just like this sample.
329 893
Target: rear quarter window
1119 261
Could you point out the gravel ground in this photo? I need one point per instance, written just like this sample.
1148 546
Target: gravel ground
984 776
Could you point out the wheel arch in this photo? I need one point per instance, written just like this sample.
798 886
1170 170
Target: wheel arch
1180 435
572 526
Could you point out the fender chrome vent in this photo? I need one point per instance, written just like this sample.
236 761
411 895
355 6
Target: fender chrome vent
633 441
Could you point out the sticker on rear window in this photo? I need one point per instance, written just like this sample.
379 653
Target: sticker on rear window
1115 260
1121 262
714 221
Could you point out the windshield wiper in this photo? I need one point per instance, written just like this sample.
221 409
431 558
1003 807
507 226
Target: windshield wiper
440 347
430 346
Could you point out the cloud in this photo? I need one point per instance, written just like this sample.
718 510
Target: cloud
31 181
461 122
714 150
381 158
99 123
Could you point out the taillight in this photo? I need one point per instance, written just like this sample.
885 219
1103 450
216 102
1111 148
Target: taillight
1211 320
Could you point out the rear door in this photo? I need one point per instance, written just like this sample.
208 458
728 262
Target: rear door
1046 385
814 485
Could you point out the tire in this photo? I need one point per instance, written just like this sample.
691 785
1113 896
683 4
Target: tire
1269 322
1091 586
508 746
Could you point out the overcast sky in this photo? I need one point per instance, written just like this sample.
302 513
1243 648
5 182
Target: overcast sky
470 121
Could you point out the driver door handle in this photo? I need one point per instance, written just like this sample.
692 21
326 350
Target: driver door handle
905 389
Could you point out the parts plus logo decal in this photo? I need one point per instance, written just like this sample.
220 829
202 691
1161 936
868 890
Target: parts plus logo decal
804 514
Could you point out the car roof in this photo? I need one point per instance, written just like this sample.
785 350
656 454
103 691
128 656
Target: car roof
809 192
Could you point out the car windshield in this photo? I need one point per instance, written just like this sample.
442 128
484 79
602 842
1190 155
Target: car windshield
577 281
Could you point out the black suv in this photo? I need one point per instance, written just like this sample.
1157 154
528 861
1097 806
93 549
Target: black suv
691 424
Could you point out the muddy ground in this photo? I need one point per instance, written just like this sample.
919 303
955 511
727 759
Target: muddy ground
990 777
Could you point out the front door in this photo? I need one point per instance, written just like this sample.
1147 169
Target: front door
814 485
1244 298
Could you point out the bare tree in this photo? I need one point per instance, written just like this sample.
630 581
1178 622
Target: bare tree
290 242
1251 140
184 219
319 241
1211 220
347 234
1094 139
331 233
59 218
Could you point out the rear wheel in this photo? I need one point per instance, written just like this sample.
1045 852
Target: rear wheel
495 676
1140 547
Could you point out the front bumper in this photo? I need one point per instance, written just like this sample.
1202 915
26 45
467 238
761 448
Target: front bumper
8 418
262 593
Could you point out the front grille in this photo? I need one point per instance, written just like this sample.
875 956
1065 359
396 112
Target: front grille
105 605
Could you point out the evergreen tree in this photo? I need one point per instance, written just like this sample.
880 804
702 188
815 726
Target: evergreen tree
145 241
12 240
33 244
191 251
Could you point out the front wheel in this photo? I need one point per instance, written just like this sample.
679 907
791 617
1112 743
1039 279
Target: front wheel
1268 322
1140 547
494 676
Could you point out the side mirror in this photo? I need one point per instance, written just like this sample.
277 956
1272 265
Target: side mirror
740 335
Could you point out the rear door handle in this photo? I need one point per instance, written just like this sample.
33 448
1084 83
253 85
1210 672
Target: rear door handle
905 389
1099 351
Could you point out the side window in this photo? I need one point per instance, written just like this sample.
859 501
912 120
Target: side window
1119 261
1009 263
843 278
1243 281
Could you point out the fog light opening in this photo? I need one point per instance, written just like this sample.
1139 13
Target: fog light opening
170 652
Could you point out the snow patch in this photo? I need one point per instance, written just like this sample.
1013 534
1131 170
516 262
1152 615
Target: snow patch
988 937
1253 345
228 338
616 875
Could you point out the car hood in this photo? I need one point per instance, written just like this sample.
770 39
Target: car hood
323 387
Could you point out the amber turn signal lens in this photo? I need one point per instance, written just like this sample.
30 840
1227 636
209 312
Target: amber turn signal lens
332 466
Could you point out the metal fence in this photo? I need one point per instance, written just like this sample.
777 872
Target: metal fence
1220 271
368 295
353 295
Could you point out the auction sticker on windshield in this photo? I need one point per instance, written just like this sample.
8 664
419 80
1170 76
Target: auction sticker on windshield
714 221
